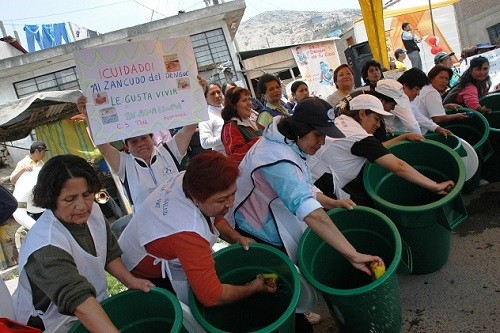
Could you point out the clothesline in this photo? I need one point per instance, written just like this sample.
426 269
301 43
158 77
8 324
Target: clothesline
50 35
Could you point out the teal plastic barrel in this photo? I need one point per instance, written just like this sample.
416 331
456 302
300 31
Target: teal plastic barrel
451 141
134 311
261 312
475 131
424 219
491 168
359 304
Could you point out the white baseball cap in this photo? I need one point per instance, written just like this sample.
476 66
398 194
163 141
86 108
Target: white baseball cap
368 102
393 89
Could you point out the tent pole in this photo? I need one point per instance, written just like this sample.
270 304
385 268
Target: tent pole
432 19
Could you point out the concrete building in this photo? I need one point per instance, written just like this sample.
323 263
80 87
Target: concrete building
478 21
212 30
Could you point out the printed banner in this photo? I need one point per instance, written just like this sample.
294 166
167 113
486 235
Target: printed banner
140 88
316 62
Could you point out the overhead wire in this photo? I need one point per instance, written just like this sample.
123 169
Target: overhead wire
69 12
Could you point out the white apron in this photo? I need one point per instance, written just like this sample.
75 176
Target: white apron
264 200
49 231
165 212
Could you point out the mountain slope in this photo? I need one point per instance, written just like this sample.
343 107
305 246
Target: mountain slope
283 27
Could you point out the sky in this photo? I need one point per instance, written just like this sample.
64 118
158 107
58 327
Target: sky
110 15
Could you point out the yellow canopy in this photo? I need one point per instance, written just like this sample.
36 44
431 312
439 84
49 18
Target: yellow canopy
373 16
372 12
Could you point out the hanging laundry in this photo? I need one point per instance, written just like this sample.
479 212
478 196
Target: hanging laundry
32 34
48 37
60 33
80 33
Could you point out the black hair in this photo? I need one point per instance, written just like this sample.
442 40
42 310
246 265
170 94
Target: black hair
264 80
296 86
438 69
125 140
56 172
293 130
205 92
367 65
224 86
232 97
414 77
404 25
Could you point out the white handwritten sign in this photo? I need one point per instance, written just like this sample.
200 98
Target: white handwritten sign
140 88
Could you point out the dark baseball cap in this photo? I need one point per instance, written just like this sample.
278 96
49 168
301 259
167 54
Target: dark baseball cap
318 114
485 46
39 145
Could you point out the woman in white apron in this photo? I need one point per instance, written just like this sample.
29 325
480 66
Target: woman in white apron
64 257
276 199
169 240
344 158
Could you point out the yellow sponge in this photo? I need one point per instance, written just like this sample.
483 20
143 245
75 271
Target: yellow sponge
378 269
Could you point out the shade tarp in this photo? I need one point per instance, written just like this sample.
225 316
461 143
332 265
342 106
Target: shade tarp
374 13
411 6
19 117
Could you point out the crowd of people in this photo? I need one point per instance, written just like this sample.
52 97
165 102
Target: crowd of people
266 170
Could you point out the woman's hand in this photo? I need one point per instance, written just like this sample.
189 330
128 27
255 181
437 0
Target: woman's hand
443 131
462 116
412 137
484 110
81 104
344 203
452 106
202 82
362 262
245 241
259 285
140 284
444 187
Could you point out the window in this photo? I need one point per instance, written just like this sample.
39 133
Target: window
65 79
494 34
212 55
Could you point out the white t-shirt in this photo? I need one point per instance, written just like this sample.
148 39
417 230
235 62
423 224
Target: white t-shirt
210 130
143 179
429 102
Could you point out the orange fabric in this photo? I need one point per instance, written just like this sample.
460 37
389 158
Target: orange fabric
195 255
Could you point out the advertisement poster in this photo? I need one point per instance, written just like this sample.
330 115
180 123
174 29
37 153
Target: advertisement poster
316 62
139 88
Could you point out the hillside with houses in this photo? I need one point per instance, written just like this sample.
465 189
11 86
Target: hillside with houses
282 27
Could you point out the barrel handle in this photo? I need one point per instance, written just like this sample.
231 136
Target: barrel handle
450 224
406 264
487 150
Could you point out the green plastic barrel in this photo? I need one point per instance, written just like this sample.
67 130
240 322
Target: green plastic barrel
359 304
261 312
451 141
135 311
424 219
491 168
491 101
475 131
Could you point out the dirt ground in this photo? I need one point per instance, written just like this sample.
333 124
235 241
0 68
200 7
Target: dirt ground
463 296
